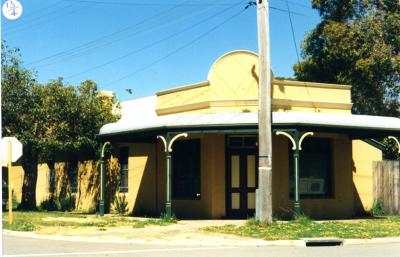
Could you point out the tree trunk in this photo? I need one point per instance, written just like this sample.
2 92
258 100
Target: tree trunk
30 166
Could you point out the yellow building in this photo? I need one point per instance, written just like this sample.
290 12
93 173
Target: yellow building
214 168
207 133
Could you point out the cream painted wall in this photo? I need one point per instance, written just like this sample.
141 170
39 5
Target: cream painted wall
17 177
363 156
142 191
42 184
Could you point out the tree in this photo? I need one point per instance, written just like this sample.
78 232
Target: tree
357 43
49 119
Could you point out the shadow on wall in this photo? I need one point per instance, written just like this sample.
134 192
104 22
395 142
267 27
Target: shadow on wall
86 197
145 183
359 209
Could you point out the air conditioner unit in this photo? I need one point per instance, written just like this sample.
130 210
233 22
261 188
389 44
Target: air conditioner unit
311 186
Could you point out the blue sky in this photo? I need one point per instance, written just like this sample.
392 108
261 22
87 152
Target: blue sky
147 46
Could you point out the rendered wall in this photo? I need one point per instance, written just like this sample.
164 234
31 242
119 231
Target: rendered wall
363 156
42 183
142 177
17 177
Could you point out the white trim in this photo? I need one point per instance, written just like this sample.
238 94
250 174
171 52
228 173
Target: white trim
288 136
378 123
304 136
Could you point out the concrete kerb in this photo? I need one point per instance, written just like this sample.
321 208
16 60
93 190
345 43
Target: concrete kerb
194 242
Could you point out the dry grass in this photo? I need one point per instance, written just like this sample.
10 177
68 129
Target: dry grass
305 228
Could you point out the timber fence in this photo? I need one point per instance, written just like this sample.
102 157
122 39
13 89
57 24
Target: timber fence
386 179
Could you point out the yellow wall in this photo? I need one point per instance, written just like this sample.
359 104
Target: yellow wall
142 191
363 156
17 177
42 184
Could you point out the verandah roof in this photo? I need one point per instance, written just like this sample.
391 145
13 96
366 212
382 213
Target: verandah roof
362 126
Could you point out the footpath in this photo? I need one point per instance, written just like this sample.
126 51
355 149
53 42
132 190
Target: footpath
188 232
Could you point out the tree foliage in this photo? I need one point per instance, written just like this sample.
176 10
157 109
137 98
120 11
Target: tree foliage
357 42
49 119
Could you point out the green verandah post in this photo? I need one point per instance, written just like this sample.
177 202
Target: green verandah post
102 179
168 142
293 135
168 203
296 155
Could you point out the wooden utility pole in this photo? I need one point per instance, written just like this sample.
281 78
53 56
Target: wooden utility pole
264 191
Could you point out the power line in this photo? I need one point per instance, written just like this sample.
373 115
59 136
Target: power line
292 29
35 12
146 3
157 15
153 43
176 50
298 4
41 20
83 49
285 11
297 51
74 52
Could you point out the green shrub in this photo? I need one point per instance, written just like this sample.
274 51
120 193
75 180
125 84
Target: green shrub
377 208
68 203
120 204
48 205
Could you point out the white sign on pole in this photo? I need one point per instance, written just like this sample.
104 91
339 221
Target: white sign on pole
16 149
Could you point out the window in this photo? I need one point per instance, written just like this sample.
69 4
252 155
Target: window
315 168
242 141
186 170
123 159
73 175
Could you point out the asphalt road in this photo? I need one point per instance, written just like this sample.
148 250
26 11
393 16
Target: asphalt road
28 247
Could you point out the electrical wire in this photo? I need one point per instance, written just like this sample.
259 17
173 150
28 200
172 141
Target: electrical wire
34 24
297 51
298 4
84 49
145 3
175 50
35 12
292 29
126 55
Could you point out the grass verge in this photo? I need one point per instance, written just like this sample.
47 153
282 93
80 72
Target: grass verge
305 228
162 221
42 220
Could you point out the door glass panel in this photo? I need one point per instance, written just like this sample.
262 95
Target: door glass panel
251 174
251 200
235 166
235 201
